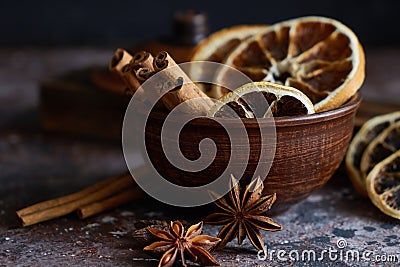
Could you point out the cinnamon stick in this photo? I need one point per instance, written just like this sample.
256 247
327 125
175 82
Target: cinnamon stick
119 60
130 80
110 203
64 205
172 84
135 71
179 86
120 65
141 67
143 74
142 59
69 198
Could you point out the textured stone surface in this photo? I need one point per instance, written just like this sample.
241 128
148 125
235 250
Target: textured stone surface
35 166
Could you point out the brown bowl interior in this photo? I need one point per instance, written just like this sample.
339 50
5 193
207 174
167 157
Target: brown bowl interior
309 149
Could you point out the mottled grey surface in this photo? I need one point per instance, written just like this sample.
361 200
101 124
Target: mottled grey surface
35 166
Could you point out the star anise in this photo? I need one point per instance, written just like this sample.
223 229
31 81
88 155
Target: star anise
175 241
243 214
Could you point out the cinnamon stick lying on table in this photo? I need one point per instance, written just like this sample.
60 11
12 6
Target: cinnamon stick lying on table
124 197
66 199
94 199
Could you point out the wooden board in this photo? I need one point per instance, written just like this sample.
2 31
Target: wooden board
71 104
370 108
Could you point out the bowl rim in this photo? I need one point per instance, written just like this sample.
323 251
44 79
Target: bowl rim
349 107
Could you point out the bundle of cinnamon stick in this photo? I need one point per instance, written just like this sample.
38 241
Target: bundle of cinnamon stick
176 87
173 87
102 196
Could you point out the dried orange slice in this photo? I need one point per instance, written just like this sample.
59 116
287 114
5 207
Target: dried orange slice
384 145
368 132
261 100
219 44
319 56
383 185
217 47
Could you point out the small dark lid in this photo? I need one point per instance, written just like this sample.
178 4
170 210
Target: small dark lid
189 27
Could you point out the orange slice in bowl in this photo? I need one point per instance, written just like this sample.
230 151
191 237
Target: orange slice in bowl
217 47
368 132
261 100
319 56
384 145
383 185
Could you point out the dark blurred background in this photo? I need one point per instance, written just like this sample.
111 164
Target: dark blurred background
123 22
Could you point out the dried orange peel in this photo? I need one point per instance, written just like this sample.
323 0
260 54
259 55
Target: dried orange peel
319 56
217 47
383 185
368 132
261 100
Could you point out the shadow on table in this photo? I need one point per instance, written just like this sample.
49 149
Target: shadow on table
352 203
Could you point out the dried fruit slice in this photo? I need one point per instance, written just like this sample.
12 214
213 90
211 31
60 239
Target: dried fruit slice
319 56
383 185
217 46
368 132
384 145
260 100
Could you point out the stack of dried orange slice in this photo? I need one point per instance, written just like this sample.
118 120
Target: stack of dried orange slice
218 46
298 67
319 57
373 162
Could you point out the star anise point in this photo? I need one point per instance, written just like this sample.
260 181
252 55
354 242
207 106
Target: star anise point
242 214
175 242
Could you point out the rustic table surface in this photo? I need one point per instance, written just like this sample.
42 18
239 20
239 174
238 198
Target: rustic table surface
36 166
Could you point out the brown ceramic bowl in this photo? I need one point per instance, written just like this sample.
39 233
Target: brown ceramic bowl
309 149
